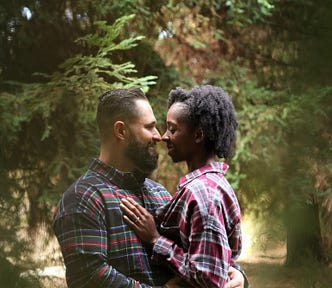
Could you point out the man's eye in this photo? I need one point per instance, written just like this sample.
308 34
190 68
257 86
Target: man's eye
150 127
172 130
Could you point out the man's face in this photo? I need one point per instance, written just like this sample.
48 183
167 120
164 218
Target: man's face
144 136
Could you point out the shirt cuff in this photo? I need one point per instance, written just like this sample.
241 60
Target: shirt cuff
162 249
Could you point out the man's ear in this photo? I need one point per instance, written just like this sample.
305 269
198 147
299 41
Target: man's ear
199 135
120 130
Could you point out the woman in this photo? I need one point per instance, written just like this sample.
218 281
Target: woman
199 233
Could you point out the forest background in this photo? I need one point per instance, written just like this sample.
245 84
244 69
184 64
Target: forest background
274 57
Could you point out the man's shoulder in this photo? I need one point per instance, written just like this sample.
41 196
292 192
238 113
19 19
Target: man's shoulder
154 186
156 190
83 192
87 183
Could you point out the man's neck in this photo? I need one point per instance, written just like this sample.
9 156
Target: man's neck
115 159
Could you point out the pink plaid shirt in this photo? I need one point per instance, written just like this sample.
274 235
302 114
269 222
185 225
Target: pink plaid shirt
201 228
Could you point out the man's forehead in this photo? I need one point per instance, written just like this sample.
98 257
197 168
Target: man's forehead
144 111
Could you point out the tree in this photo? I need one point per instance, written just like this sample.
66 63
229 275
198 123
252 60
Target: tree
306 38
48 130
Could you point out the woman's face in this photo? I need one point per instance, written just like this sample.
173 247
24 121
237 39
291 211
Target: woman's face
179 136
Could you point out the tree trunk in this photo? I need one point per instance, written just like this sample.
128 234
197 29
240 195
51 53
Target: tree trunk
304 241
325 216
37 213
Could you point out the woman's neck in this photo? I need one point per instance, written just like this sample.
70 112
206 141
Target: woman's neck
200 161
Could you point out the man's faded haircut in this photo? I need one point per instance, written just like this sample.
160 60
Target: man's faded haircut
117 104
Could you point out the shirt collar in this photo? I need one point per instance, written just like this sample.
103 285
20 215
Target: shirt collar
124 180
214 167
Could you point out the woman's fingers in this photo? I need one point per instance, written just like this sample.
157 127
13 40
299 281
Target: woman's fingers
130 210
130 222
135 205
140 220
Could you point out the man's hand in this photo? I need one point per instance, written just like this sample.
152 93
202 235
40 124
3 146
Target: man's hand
174 283
236 278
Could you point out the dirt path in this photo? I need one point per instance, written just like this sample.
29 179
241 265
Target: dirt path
273 275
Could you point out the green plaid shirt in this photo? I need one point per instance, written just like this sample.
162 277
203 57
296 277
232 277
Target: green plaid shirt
98 248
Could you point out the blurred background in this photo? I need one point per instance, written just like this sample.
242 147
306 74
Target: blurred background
273 57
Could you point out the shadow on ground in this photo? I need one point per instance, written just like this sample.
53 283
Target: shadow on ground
276 275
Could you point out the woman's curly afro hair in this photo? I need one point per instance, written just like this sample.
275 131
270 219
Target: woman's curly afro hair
211 109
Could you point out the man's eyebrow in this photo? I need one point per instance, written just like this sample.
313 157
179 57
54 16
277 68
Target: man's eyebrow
154 122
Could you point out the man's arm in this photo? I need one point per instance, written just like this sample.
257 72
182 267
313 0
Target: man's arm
80 227
83 242
237 278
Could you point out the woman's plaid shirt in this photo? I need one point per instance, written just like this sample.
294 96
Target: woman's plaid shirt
201 228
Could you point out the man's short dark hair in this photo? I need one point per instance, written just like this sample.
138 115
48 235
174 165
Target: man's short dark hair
211 109
117 104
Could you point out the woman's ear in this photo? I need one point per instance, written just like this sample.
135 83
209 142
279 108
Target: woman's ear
120 130
199 135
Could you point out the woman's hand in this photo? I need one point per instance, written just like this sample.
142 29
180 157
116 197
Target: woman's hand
140 220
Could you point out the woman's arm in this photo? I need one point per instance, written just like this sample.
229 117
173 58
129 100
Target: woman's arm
142 222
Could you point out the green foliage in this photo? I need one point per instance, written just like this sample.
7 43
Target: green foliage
71 94
237 12
308 143
261 122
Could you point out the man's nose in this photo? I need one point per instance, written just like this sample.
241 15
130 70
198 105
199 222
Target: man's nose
156 135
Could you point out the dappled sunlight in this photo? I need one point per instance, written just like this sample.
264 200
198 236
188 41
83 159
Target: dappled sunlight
247 239
256 247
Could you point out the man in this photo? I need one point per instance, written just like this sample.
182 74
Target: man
99 249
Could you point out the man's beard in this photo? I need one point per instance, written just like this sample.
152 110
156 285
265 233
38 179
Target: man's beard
140 155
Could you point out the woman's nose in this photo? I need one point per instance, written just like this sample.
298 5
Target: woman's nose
165 137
